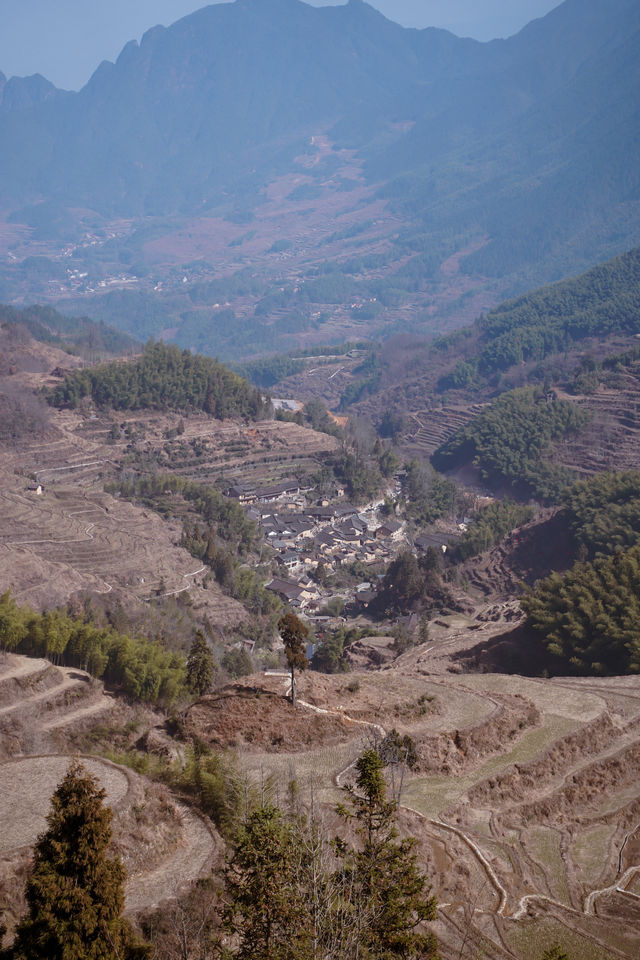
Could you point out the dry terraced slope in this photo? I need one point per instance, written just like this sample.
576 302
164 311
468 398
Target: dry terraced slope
77 538
525 800
164 845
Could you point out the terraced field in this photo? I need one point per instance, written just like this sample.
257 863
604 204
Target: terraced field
37 699
611 440
264 452
163 844
431 428
525 799
75 538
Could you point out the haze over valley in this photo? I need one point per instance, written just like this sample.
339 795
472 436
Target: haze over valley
413 181
320 491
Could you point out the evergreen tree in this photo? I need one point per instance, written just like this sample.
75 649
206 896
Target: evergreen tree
555 953
294 634
75 894
320 574
266 909
200 666
589 617
388 895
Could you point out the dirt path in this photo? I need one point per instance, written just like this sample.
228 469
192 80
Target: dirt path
190 861
334 713
174 593
619 886
523 903
22 669
486 866
105 703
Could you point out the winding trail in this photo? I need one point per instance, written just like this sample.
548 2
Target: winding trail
100 706
88 536
488 869
341 716
627 836
72 466
174 593
190 860
619 886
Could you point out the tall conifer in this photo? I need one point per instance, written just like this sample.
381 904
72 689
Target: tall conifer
294 634
200 666
389 899
75 894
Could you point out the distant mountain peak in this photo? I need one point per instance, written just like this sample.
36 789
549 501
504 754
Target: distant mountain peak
266 4
19 93
152 33
541 128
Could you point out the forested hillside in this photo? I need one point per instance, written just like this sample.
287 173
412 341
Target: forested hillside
589 619
555 318
511 441
604 512
76 335
604 301
162 378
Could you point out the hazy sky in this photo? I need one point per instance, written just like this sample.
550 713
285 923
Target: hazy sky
65 40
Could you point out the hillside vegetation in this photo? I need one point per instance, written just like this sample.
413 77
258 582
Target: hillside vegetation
604 512
216 530
603 301
590 618
489 527
141 668
75 335
162 378
511 439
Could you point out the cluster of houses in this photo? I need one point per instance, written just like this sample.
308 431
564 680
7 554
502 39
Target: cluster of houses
305 537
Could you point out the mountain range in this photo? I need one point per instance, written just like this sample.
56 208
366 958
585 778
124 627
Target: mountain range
528 146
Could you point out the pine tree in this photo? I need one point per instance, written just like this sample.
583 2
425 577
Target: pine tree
389 896
555 953
200 666
423 629
75 894
266 909
294 634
